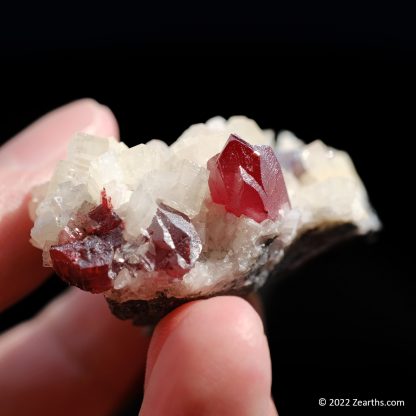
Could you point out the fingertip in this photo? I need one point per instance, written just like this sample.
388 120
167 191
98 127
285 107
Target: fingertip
52 132
104 122
211 311
214 357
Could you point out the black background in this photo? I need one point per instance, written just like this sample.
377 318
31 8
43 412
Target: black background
343 326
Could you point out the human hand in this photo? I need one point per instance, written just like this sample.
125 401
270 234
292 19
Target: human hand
207 357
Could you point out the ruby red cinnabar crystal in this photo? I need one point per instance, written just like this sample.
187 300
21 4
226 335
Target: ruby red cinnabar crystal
86 262
104 219
247 180
176 244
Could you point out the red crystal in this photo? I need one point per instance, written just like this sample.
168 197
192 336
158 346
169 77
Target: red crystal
84 256
247 180
176 244
85 263
103 217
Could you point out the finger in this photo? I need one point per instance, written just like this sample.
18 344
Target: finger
28 160
74 358
209 358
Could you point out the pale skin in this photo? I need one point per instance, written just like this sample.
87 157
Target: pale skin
208 357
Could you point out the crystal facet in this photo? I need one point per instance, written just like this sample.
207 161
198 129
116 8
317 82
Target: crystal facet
247 180
104 217
84 256
176 244
85 263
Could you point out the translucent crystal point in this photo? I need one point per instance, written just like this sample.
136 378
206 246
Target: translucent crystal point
175 241
247 180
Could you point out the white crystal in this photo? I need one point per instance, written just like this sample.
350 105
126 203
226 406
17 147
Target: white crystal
139 160
103 170
122 280
38 195
288 142
138 213
55 211
84 147
202 141
329 190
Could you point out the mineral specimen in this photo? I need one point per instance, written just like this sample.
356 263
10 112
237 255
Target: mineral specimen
154 226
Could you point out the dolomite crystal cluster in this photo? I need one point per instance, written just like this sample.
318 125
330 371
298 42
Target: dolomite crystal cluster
213 213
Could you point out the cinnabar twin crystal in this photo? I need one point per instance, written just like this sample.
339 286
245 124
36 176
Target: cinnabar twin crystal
247 180
85 263
86 260
176 244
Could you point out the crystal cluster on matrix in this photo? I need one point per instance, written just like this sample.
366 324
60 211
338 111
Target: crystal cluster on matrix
247 180
92 251
85 256
192 218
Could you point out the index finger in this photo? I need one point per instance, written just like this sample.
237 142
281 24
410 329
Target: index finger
28 160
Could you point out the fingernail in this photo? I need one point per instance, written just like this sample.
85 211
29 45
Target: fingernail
46 140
